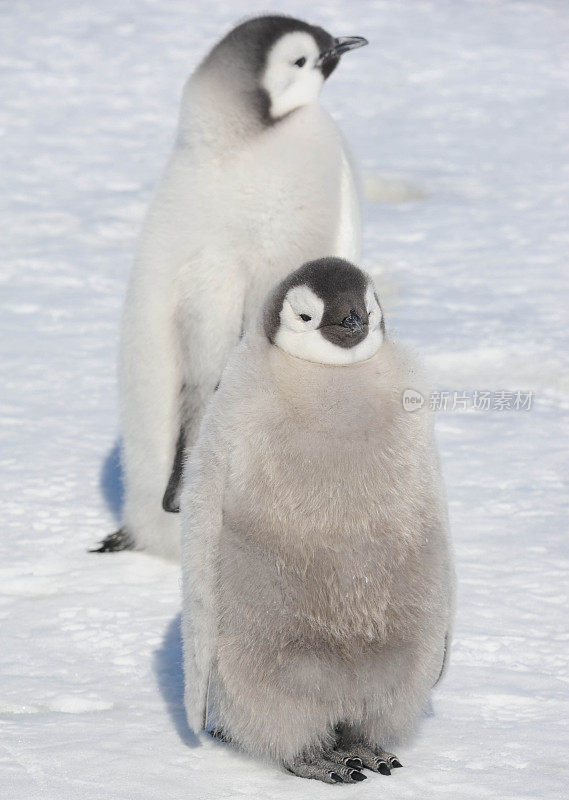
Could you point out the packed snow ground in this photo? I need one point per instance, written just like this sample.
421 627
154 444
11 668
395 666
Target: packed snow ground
458 115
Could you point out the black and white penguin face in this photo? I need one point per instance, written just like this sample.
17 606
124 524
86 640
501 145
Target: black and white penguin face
327 312
298 63
287 59
291 77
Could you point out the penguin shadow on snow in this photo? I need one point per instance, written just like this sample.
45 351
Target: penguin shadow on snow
167 660
169 671
111 481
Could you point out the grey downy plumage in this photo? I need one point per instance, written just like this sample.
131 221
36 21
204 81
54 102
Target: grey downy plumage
318 581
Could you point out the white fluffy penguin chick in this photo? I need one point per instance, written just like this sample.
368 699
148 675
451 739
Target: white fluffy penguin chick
317 570
260 180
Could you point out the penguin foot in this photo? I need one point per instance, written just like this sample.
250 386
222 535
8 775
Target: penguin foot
119 540
374 758
329 766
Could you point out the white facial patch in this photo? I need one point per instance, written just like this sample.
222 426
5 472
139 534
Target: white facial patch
291 78
300 337
373 309
301 302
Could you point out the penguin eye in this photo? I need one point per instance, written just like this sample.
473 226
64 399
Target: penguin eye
305 318
300 62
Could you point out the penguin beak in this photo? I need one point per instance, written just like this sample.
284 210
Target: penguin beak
354 323
341 45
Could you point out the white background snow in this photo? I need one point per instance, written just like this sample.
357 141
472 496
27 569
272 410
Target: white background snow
458 114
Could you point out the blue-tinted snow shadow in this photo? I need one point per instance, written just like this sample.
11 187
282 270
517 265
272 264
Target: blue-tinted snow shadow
111 481
167 664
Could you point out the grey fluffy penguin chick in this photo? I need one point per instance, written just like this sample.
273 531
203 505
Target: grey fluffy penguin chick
318 580
259 181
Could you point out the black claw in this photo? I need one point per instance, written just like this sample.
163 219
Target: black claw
335 777
356 775
395 763
356 763
384 768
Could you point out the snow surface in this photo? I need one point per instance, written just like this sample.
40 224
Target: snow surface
458 113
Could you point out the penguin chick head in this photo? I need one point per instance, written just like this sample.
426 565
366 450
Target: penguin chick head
286 59
327 312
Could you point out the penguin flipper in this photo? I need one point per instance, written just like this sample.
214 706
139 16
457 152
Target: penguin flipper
171 499
202 519
446 655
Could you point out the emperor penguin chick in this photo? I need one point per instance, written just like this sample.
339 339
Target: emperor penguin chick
317 568
260 180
